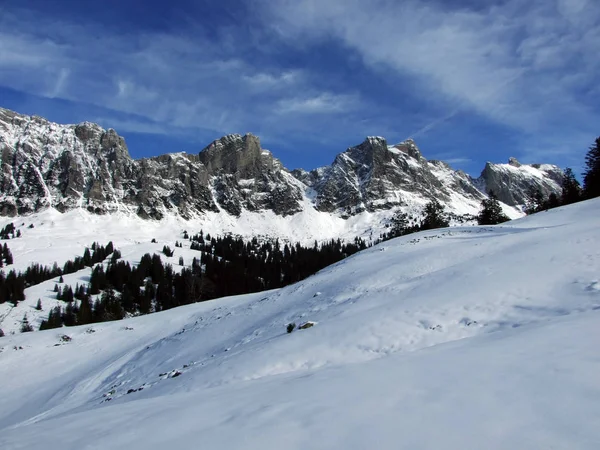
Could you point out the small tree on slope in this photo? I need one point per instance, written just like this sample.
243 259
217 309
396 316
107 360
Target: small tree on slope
434 216
25 325
491 212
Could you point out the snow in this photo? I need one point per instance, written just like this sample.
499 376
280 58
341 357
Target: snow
468 337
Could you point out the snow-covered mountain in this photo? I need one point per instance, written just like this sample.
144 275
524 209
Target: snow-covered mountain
67 167
460 338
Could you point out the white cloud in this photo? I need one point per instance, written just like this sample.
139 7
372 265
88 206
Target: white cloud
325 103
178 80
271 80
519 63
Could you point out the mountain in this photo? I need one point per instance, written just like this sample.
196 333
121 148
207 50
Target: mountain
66 167
470 337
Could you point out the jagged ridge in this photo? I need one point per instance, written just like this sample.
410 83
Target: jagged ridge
45 164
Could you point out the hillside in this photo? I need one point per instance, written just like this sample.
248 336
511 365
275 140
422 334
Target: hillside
468 337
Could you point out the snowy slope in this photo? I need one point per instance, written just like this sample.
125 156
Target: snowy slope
475 337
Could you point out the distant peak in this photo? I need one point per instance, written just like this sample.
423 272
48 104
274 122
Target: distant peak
409 147
512 161
374 139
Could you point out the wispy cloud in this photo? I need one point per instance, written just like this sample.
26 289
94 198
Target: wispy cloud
521 63
180 80
325 103
332 71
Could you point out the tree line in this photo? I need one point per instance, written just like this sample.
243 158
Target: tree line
13 284
225 266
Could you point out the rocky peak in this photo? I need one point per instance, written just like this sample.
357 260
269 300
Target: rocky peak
234 154
85 166
513 182
410 148
512 161
373 152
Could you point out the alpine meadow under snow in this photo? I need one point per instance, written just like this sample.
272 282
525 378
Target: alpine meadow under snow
458 338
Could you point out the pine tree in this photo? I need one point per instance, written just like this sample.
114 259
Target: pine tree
571 190
434 216
25 325
84 315
591 176
553 201
399 224
491 212
69 318
535 200
87 257
8 256
38 305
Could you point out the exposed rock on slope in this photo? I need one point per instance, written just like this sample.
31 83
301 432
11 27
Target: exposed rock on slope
513 182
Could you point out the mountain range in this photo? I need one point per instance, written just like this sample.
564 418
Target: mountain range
65 167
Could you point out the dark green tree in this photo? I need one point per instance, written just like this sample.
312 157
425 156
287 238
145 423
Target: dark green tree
591 176
491 212
38 305
434 216
535 200
84 315
552 202
571 190
8 256
25 325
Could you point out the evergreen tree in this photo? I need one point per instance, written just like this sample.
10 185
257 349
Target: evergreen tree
25 325
399 224
8 256
434 216
591 176
535 200
84 315
87 257
68 295
553 201
491 212
69 316
571 191
38 305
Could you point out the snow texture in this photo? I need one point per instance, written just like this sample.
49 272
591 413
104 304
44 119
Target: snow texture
461 338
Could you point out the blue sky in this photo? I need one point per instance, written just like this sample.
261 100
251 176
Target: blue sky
469 80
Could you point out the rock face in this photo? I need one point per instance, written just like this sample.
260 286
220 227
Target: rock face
84 166
374 176
65 167
514 182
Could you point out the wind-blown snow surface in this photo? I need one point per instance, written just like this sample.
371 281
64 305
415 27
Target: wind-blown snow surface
463 338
